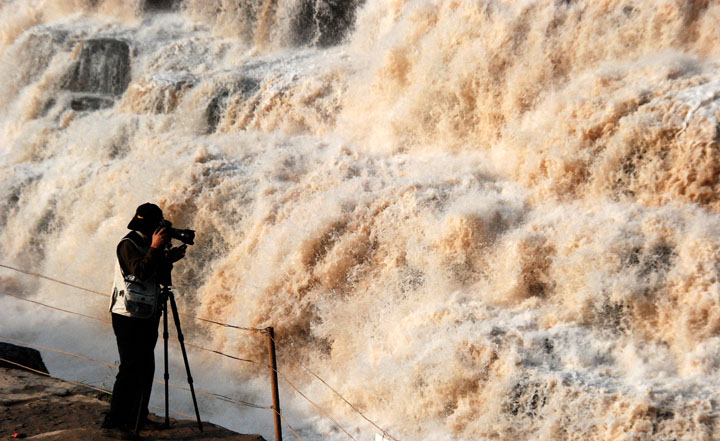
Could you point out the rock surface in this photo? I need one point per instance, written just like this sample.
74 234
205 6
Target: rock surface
324 23
38 407
22 355
103 67
83 103
245 86
161 5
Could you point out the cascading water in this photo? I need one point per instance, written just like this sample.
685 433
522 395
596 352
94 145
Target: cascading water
476 219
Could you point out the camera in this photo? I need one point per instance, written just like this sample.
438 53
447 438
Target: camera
184 236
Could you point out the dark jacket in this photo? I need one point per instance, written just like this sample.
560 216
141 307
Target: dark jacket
132 261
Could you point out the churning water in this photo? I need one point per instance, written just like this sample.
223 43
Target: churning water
476 219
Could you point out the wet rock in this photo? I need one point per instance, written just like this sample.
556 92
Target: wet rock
215 110
46 107
21 355
90 103
324 22
527 398
103 67
161 5
218 104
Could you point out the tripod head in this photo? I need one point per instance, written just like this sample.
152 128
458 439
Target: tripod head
165 293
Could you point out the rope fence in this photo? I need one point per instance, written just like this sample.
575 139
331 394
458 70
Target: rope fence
325 413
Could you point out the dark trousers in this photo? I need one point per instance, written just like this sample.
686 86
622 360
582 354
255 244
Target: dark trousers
136 339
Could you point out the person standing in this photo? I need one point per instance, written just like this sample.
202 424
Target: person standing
135 309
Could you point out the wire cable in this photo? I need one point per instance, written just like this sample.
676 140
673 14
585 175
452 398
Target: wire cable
109 322
232 357
77 383
288 424
69 354
384 432
98 293
30 273
216 396
54 307
317 406
225 325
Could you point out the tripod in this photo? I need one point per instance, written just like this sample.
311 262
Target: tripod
166 295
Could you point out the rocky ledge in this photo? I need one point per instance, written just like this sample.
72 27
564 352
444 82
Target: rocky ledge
33 406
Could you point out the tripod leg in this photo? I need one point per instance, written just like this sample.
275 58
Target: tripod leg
167 375
171 297
137 420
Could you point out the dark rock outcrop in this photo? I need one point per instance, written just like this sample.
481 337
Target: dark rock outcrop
161 5
216 108
103 67
324 22
21 355
89 103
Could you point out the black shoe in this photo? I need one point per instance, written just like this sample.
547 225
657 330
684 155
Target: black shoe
107 422
150 424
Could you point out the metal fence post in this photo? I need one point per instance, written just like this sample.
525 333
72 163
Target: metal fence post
274 382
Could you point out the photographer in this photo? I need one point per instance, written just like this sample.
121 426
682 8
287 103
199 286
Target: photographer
143 263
